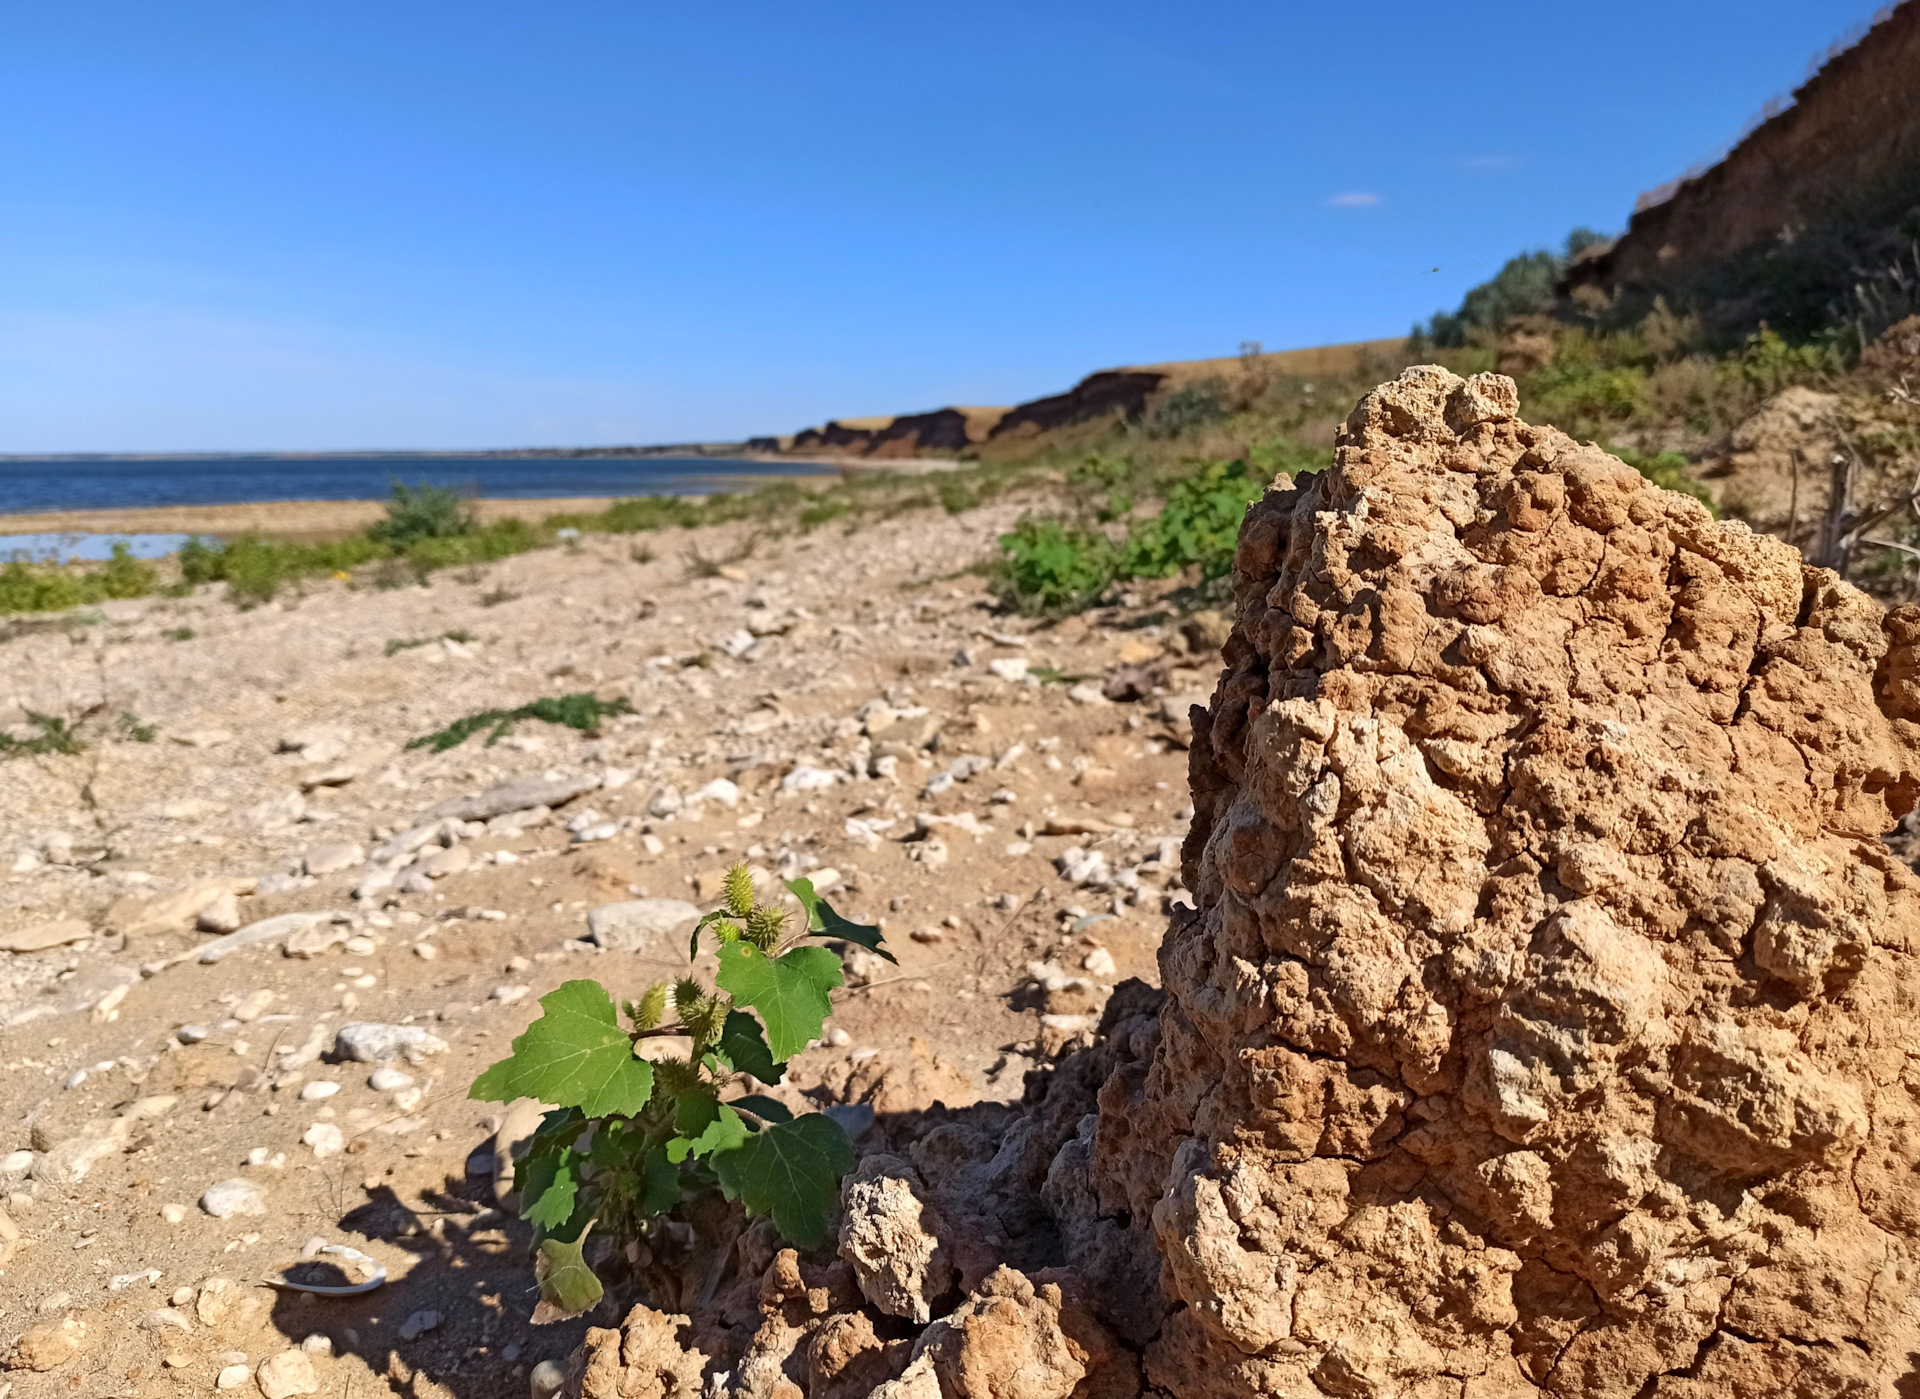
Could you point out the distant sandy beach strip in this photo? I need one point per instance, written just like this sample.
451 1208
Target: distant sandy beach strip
333 519
283 519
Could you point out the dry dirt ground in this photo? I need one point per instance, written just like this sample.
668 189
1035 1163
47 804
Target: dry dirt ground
860 695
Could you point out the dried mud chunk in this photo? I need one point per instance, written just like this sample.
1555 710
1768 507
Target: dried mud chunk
891 1236
1544 1021
646 1358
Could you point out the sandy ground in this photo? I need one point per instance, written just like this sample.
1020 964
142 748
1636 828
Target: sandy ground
859 692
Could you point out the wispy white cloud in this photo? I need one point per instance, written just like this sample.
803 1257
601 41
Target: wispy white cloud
1487 164
1353 199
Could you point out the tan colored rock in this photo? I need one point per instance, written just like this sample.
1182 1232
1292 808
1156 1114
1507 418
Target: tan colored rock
1545 1024
651 1356
1017 1338
287 1374
847 1359
892 1237
50 1345
143 916
919 1079
9 1237
42 936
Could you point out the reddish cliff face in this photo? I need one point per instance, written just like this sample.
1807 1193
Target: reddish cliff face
1815 192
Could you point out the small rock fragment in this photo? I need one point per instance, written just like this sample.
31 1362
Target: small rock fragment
287 1374
369 1042
419 1323
233 1197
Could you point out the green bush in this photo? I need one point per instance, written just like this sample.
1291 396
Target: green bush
1187 409
1052 567
25 587
1199 525
423 512
1523 286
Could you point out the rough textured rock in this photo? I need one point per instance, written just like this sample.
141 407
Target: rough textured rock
636 925
1545 1022
1017 1338
49 1345
645 1359
892 1237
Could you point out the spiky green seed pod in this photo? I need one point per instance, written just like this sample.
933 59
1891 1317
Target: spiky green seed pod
672 1077
739 890
723 931
704 1021
647 1012
766 926
687 992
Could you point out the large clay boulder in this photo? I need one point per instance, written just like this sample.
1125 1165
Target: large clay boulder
1548 1019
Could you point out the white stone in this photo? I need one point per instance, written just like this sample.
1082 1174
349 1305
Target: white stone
389 1080
1009 668
367 1042
807 778
231 1197
232 1377
636 924
325 1139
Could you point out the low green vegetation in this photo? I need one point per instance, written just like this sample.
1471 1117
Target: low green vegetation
585 711
51 734
398 644
630 1139
26 587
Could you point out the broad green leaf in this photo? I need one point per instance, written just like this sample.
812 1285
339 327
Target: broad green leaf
789 991
551 1186
724 1133
574 1055
660 1181
772 1109
567 1285
743 1049
694 1112
792 1171
822 920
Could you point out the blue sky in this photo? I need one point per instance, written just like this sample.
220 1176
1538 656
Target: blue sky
301 226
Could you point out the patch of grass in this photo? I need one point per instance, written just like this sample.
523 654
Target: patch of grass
585 711
132 730
51 735
178 634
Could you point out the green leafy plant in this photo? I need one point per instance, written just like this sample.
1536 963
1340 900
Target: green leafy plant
1199 525
1052 566
585 711
423 512
629 1138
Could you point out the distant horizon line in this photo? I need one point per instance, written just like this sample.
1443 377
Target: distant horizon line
740 450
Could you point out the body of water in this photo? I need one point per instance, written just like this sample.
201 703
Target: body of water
118 484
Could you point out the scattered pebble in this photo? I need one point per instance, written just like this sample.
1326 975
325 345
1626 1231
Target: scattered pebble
174 1214
232 1377
319 1090
231 1197
389 1080
419 1324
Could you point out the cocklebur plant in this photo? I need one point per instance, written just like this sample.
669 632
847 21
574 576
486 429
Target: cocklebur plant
627 1138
